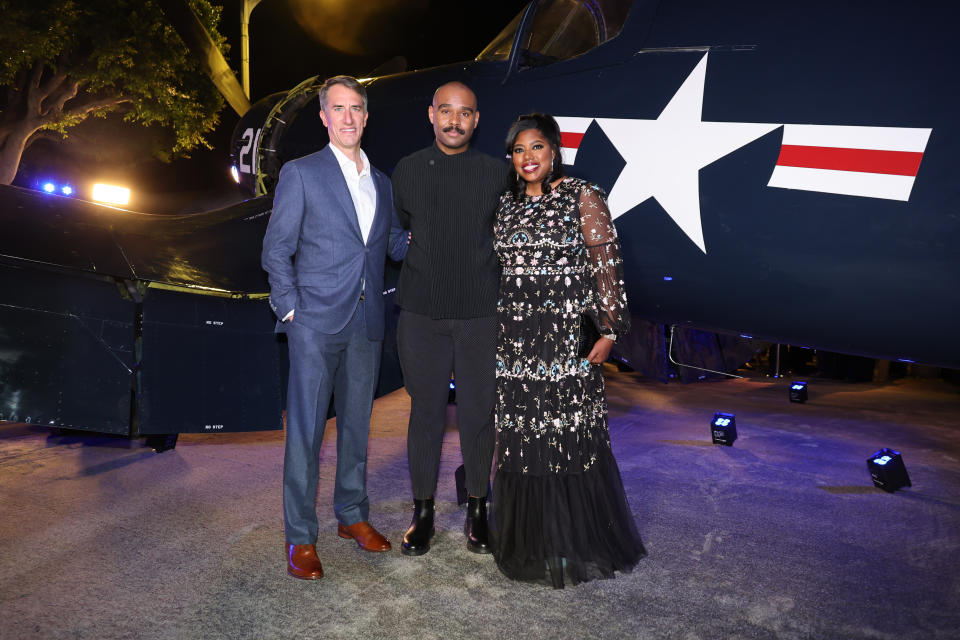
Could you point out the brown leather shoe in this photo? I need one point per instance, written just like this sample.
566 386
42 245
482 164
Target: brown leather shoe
366 536
303 563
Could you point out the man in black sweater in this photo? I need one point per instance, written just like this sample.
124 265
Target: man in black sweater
447 293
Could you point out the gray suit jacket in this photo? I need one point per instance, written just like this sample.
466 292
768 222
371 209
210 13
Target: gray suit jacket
313 251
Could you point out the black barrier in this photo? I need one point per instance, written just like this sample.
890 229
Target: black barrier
209 364
66 350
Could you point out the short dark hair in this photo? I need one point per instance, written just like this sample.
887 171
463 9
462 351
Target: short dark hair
349 82
547 126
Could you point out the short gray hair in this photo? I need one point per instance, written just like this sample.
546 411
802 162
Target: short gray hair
349 82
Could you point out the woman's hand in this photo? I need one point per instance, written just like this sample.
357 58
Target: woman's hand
600 351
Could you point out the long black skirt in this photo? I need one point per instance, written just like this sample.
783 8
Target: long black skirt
564 528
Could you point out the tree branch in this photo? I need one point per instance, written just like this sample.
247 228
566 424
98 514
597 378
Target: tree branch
53 82
33 94
67 91
42 134
86 107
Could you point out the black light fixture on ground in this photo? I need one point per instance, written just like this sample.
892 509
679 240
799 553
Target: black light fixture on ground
887 470
723 428
798 391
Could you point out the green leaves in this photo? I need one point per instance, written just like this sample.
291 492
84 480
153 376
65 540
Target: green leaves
122 55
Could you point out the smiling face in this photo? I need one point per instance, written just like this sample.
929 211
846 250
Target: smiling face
454 116
532 157
344 116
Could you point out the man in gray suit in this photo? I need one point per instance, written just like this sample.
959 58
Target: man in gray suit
333 223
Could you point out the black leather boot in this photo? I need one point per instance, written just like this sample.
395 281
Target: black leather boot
476 525
416 541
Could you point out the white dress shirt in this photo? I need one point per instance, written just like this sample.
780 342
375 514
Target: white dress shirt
362 190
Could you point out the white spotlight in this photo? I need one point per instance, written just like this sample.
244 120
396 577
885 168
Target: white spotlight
111 194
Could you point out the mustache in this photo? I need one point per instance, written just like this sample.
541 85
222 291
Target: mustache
454 127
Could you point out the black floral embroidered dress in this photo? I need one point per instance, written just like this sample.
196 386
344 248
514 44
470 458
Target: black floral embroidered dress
558 500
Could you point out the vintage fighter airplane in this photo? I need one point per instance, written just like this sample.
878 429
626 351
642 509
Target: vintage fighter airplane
777 171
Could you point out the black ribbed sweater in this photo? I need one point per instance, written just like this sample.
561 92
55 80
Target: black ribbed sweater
448 202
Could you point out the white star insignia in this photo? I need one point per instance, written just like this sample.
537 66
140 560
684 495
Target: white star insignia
664 156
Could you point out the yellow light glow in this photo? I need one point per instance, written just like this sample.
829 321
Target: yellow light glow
111 194
356 27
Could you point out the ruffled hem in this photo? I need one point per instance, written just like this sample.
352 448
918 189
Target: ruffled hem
558 529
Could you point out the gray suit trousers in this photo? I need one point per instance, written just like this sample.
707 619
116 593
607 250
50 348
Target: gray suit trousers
344 364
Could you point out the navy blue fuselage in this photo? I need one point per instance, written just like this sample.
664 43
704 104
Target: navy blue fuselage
862 274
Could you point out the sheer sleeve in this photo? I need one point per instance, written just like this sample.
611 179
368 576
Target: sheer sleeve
604 263
498 232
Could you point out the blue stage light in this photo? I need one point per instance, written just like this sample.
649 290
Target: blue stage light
667 278
49 187
887 470
66 190
723 428
452 396
798 391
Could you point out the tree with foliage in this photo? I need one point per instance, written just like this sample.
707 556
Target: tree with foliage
62 61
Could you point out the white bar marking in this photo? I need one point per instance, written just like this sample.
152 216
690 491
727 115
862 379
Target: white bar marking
873 138
850 183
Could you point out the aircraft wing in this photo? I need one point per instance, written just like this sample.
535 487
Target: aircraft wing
206 251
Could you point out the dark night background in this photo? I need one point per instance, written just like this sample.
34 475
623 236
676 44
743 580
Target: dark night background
290 41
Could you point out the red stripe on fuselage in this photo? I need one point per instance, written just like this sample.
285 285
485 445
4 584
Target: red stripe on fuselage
570 140
898 163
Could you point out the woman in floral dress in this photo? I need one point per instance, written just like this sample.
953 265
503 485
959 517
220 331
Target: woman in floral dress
559 509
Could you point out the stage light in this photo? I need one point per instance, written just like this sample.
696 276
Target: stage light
798 391
887 470
111 194
235 174
723 428
452 396
49 187
66 190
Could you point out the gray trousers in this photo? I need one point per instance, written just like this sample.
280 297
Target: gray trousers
429 351
345 365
